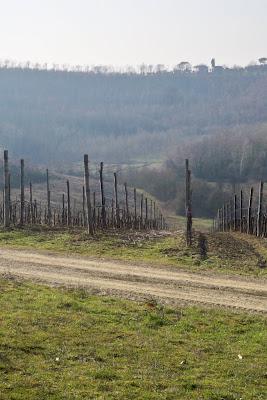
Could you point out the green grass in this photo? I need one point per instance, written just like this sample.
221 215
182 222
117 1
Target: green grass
122 246
57 344
227 253
179 222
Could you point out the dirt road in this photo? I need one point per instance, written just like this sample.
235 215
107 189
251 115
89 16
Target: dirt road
137 281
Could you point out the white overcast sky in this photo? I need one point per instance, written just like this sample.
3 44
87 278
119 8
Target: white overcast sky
122 32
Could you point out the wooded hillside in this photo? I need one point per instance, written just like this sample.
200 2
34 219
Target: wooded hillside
55 115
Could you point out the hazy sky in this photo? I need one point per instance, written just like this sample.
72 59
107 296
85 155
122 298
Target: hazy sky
124 32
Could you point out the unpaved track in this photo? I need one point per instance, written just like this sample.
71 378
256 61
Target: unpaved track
137 281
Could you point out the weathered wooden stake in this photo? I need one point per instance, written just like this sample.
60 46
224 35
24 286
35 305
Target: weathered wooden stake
188 204
9 199
224 218
94 210
141 210
22 192
103 209
112 212
6 191
230 215
235 212
241 211
151 215
135 209
87 192
146 212
259 212
31 205
126 203
249 222
63 209
84 214
116 200
68 204
49 214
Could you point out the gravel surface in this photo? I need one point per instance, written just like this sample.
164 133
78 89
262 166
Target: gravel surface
135 281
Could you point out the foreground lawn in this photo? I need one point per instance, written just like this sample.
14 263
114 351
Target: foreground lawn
225 252
59 344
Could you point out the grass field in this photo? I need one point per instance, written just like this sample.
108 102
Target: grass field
59 344
179 222
227 253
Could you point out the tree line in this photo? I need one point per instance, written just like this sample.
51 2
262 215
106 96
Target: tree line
220 165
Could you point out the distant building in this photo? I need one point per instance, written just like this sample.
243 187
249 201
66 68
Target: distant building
202 68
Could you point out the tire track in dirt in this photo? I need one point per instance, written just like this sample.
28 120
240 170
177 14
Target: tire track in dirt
137 281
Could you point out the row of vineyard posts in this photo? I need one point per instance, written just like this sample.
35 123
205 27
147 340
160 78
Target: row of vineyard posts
188 204
142 214
240 215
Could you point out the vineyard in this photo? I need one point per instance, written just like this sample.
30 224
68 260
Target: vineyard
123 208
236 215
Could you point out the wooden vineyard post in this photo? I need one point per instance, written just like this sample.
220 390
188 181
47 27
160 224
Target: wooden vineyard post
94 211
84 214
73 214
68 204
87 193
161 222
112 213
259 212
35 211
151 214
126 204
6 192
63 209
135 209
49 214
103 209
219 220
226 212
146 212
154 215
40 212
235 212
188 205
249 227
241 211
224 218
116 200
22 192
2 208
141 210
31 205
9 199
230 215
98 216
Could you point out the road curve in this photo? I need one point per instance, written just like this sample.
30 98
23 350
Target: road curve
166 284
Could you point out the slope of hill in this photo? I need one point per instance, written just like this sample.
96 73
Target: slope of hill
55 115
